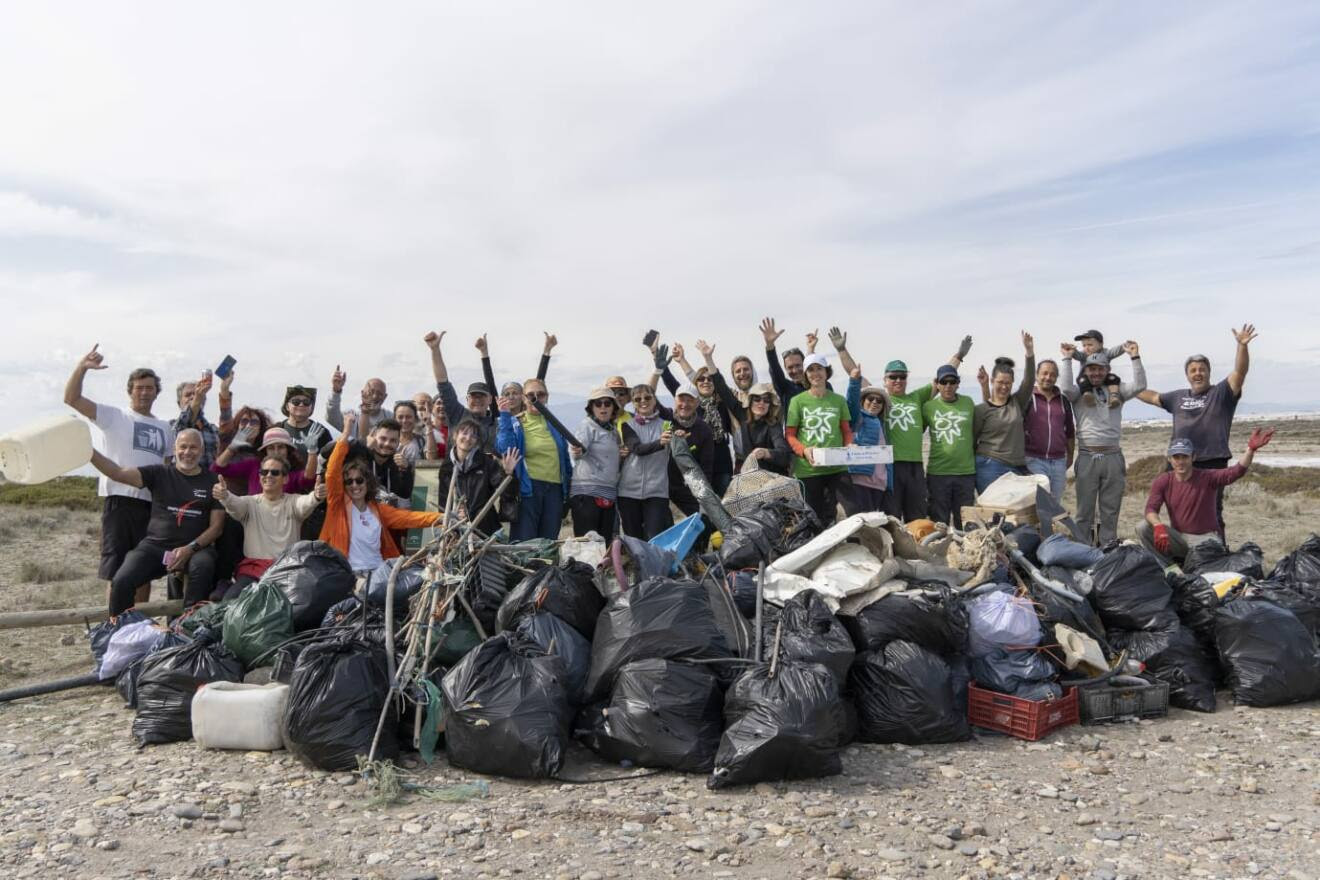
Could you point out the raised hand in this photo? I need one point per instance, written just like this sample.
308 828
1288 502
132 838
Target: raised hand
510 461
1259 437
504 404
350 420
769 333
551 340
661 356
838 339
855 372
812 339
93 360
1028 343
705 348
1133 350
482 346
320 491
1067 349
337 380
677 349
1245 335
982 376
433 339
220 491
964 347
226 382
401 461
314 437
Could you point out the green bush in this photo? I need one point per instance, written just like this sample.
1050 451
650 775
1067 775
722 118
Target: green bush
70 493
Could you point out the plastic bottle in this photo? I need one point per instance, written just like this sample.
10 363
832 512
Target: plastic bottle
44 450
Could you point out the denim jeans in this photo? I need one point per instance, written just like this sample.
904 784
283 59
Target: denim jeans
1054 468
990 469
540 513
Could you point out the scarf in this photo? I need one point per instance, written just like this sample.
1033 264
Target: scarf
710 412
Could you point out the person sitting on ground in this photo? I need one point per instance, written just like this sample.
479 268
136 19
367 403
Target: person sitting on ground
185 523
137 438
1203 413
1100 471
997 422
644 475
598 457
818 419
271 519
867 408
480 476
191 397
1049 434
240 462
297 408
905 426
356 524
370 413
757 423
545 469
951 474
1189 493
478 407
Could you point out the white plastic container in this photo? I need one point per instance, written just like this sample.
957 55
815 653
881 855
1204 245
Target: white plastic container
233 715
44 450
833 456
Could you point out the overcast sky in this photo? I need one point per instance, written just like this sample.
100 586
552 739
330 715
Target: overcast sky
305 184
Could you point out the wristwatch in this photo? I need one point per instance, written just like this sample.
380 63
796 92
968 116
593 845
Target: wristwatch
194 546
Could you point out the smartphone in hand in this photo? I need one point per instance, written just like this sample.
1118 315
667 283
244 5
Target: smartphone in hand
651 336
225 366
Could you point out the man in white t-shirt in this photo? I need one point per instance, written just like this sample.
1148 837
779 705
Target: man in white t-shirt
134 438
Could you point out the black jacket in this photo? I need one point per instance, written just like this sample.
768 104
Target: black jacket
477 482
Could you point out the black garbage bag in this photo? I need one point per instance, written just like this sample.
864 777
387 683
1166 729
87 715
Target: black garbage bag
742 584
487 586
1012 672
1270 655
810 634
506 709
1026 538
659 618
168 681
285 660
1175 656
126 682
408 582
568 591
99 636
1195 601
933 617
313 576
1130 591
751 539
1299 598
960 668
1053 609
905 694
1212 555
662 714
787 726
1302 566
336 694
554 636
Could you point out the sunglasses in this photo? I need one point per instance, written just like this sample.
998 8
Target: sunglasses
896 377
705 380
354 481
949 382
758 398
609 403
299 401
619 392
272 472
878 401
642 398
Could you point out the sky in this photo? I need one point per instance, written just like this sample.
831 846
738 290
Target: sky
303 185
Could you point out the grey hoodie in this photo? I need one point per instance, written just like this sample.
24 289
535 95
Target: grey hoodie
645 472
596 472
1099 423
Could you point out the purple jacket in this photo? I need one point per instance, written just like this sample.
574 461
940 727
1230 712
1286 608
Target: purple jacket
1048 425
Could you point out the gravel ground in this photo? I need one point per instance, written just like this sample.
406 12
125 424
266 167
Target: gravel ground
1234 794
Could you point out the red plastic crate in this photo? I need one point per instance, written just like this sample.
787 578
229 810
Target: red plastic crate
1024 719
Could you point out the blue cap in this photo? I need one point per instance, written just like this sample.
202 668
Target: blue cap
1181 446
946 371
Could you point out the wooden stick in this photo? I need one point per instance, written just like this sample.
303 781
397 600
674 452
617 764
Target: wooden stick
91 614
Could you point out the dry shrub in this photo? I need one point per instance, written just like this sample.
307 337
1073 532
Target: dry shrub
34 571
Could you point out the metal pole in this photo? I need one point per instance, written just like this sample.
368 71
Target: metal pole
760 599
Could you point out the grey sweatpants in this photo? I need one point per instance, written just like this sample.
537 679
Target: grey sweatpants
1180 544
1100 480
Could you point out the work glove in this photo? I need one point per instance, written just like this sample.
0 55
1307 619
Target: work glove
1259 437
838 339
661 357
964 347
1162 538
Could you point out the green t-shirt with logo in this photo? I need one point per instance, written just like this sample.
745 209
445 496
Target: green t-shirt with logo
905 423
819 422
952 445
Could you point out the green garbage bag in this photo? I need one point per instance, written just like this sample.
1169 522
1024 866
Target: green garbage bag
258 620
452 638
210 615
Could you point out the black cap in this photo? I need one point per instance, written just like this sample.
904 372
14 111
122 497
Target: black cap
479 388
1090 334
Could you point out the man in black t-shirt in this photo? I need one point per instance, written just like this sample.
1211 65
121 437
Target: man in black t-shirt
185 523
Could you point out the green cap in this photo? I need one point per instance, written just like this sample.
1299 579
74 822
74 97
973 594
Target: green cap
896 367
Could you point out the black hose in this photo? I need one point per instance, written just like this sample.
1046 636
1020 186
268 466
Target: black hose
49 687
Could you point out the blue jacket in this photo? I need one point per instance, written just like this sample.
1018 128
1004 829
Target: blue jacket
868 430
510 436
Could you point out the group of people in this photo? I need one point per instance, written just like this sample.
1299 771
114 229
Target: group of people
213 503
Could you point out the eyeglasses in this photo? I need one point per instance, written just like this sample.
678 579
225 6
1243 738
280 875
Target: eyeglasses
354 481
706 380
299 401
609 403
274 472
758 398
896 377
642 398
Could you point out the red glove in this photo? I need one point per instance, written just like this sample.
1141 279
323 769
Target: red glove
1259 437
1162 538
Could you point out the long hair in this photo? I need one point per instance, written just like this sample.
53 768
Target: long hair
230 428
362 466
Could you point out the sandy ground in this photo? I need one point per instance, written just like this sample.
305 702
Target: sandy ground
1233 794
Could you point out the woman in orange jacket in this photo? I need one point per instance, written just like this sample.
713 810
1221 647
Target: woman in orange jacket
355 523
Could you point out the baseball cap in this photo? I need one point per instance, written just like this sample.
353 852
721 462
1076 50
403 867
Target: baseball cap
946 371
1099 359
1090 334
689 391
896 367
1181 446
479 388
816 360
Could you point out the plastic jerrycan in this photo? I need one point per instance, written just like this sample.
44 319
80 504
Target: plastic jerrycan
46 449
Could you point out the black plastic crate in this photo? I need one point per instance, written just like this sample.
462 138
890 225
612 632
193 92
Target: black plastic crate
1122 698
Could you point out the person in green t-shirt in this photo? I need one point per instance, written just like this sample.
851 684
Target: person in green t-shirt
904 426
819 419
951 474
